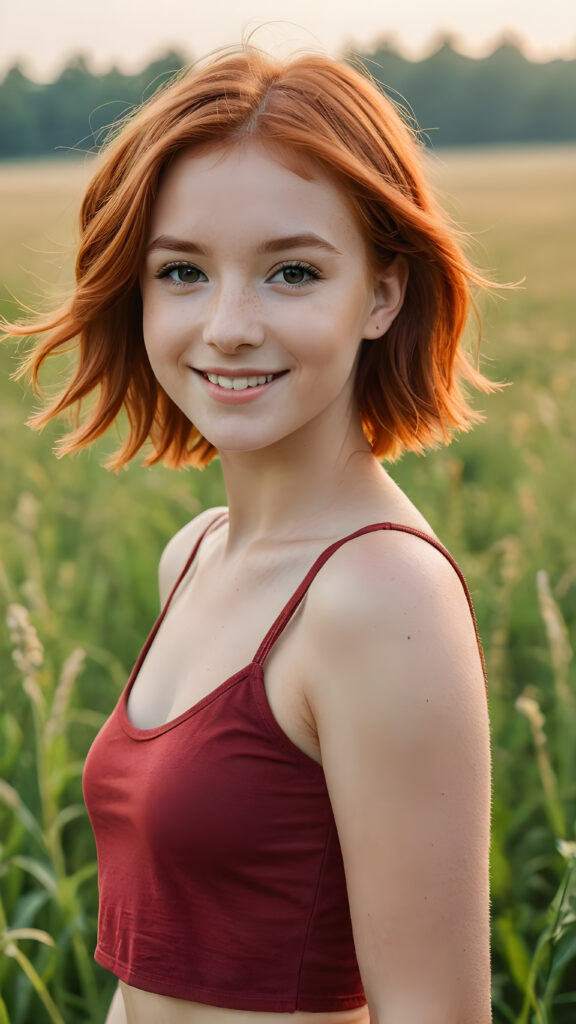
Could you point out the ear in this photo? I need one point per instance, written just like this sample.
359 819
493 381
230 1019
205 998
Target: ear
389 291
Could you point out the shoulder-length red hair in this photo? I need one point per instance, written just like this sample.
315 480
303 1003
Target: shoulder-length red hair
408 382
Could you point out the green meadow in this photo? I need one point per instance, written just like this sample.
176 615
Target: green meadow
80 546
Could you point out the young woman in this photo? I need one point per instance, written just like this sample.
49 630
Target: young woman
291 800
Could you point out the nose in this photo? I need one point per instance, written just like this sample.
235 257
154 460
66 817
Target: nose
234 319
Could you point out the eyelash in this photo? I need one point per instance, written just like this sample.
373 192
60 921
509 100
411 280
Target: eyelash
166 270
315 275
298 265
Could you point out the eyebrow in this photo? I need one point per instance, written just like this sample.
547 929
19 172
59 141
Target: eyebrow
308 240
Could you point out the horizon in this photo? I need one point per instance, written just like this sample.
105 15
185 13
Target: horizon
437 41
130 34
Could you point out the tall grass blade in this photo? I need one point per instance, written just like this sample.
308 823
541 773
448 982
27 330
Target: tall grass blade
36 981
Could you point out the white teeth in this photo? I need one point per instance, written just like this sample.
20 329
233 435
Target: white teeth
238 383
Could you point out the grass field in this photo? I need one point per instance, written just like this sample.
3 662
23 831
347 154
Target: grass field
80 547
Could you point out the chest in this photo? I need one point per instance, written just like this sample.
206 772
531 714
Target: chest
213 628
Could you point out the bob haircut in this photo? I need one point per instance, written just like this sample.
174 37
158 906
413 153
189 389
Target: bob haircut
321 113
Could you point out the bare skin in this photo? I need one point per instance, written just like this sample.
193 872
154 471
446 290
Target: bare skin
145 1007
299 474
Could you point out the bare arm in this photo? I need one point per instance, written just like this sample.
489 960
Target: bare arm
398 695
116 1012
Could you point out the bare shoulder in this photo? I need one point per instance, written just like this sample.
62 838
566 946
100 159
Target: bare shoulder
395 607
178 548
383 575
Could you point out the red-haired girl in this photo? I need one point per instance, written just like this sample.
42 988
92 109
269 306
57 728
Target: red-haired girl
291 799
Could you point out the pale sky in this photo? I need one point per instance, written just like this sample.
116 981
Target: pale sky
43 33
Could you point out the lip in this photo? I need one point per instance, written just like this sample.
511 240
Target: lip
247 371
227 396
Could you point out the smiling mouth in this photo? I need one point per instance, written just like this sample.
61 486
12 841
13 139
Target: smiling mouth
241 383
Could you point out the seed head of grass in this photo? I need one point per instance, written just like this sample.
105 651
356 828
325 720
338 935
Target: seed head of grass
530 707
560 650
28 652
27 512
70 672
567 849
553 620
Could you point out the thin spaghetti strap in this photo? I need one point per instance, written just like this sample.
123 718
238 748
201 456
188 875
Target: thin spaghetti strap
211 525
288 611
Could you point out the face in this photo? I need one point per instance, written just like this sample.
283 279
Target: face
256 295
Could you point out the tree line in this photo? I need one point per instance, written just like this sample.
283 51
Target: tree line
455 100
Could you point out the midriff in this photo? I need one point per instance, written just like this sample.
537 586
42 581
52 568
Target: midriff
148 1008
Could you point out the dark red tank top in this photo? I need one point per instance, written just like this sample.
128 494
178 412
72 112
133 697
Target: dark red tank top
220 873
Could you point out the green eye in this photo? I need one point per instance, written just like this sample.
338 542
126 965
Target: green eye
182 273
296 274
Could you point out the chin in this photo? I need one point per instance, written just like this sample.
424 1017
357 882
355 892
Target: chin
237 446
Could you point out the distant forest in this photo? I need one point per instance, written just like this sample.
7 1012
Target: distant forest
454 99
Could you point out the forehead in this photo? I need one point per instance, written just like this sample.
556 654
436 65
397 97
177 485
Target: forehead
252 188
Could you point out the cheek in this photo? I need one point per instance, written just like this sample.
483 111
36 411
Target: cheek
161 328
330 333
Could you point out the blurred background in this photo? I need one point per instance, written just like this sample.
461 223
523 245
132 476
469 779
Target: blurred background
493 91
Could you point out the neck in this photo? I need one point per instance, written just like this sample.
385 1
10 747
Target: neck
294 489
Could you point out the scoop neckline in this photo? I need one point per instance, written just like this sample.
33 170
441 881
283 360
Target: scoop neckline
149 733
